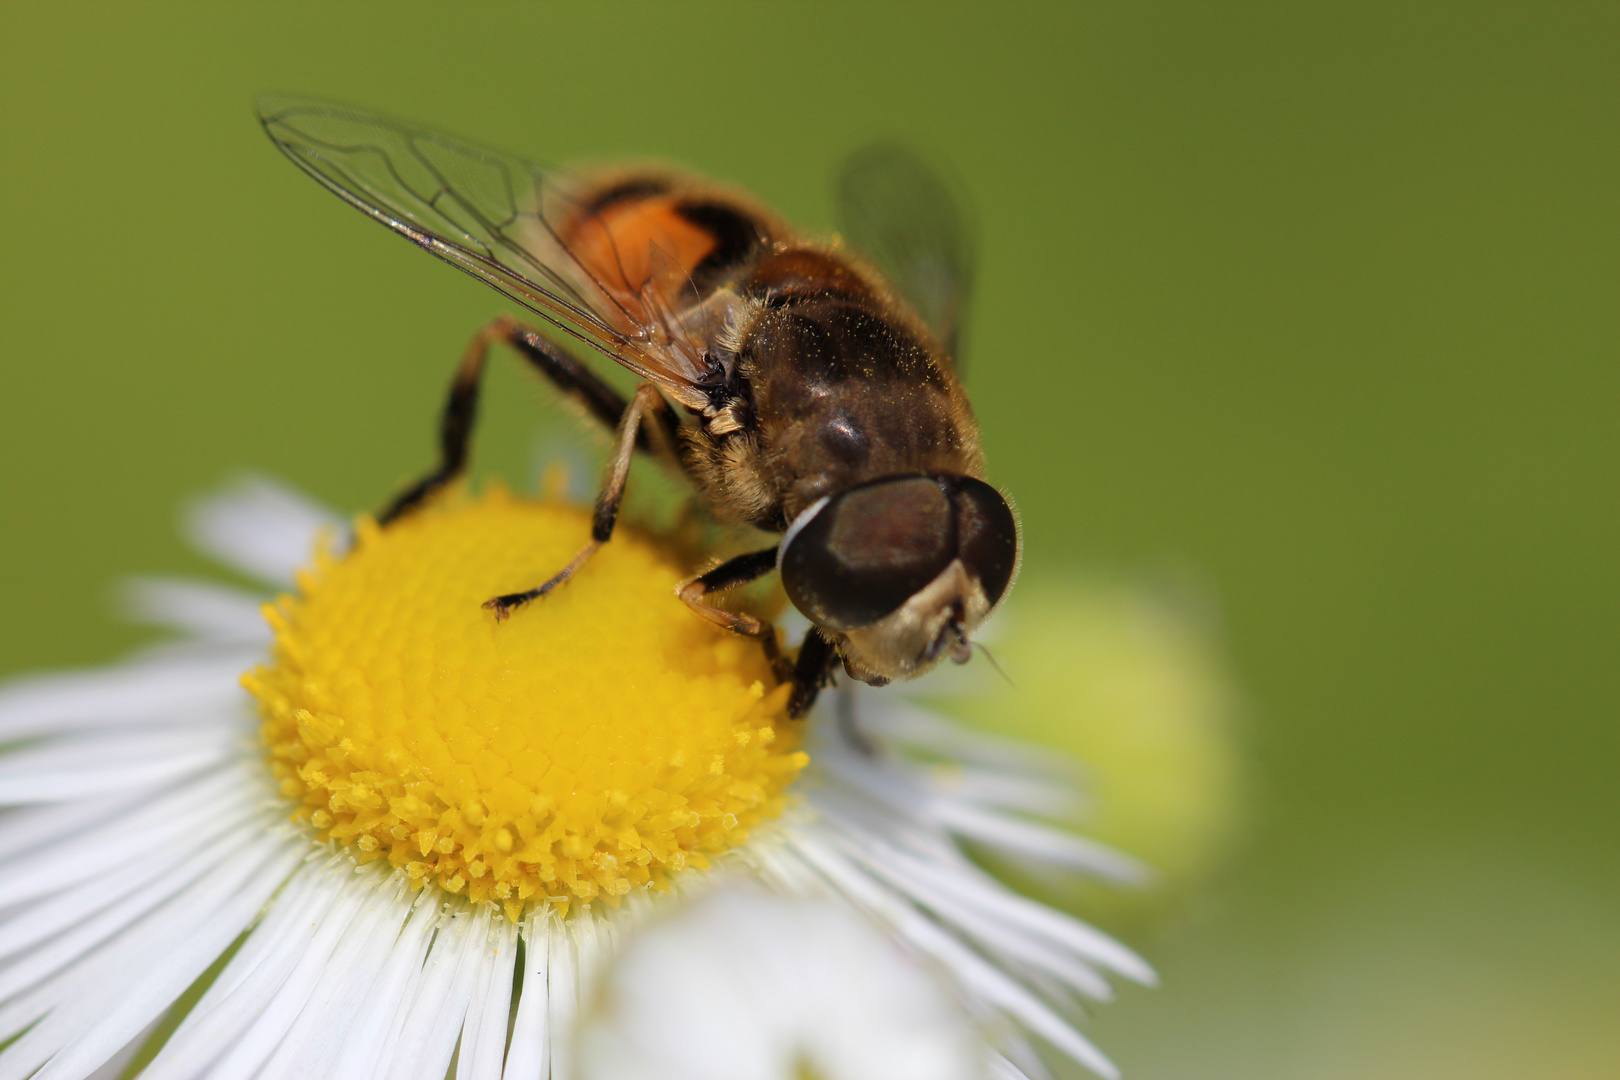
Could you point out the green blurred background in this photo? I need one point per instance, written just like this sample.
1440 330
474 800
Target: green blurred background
1317 303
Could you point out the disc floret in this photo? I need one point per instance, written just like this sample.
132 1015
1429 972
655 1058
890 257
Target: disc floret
598 741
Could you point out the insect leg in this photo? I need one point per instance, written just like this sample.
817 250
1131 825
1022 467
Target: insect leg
455 426
647 402
815 663
728 575
816 655
461 406
586 387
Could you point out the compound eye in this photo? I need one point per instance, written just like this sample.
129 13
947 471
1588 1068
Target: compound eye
988 534
869 550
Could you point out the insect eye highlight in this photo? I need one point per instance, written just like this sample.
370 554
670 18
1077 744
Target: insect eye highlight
869 550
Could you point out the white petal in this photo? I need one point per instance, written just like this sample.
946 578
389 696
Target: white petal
276 1014
114 1067
1000 937
260 527
378 1026
34 827
171 684
530 1052
195 608
1012 836
1009 790
146 830
1002 1069
1040 843
439 1008
562 991
974 891
483 1036
343 990
976 975
971 902
93 1016
249 980
902 723
45 951
77 767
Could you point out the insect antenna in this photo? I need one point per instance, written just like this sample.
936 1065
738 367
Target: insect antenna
991 657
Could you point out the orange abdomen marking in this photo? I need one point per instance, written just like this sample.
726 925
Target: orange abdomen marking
636 241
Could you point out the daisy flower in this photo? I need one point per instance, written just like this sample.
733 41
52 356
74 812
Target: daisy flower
363 831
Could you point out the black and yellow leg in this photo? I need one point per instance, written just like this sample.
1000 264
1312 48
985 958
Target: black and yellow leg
648 404
461 407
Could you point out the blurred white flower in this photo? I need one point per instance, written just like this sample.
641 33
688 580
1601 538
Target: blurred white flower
742 985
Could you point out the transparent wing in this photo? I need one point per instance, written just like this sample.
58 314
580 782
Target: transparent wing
908 216
489 213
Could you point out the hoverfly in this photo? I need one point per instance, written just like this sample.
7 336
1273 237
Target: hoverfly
820 399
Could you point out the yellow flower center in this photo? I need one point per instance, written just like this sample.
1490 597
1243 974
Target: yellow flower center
598 739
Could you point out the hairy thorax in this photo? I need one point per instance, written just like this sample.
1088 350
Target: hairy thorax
840 392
